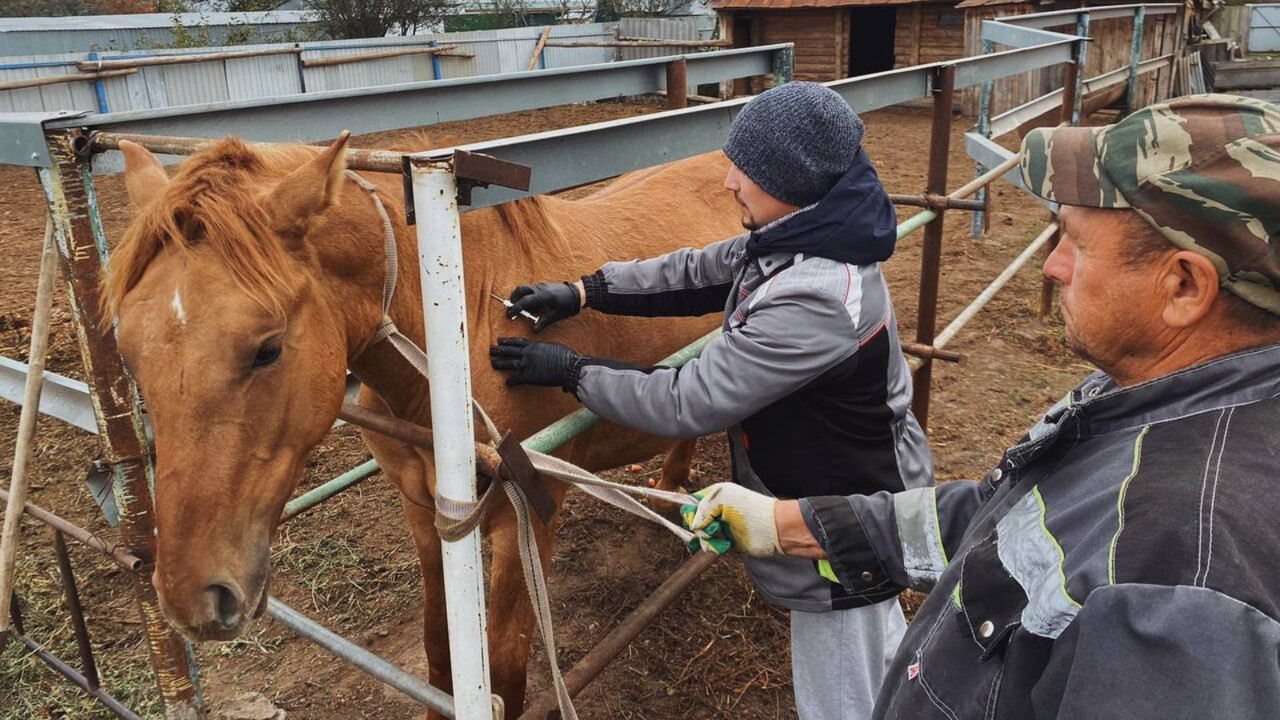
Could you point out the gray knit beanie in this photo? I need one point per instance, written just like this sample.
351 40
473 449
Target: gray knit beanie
795 141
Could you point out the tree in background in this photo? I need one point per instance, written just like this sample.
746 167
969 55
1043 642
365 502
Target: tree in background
63 8
612 10
377 18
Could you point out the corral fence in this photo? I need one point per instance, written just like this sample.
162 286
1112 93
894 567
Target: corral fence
68 151
119 81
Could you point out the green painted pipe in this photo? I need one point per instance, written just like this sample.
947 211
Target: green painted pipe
555 434
319 494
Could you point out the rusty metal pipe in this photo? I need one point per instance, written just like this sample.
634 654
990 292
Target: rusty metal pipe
927 201
595 661
677 84
118 553
930 351
931 254
102 696
383 161
87 663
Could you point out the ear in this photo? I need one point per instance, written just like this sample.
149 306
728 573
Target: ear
308 191
144 176
1190 287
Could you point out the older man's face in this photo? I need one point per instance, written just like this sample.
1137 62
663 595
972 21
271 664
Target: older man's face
1111 307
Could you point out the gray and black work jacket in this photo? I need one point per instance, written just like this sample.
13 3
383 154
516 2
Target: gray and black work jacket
1119 562
808 377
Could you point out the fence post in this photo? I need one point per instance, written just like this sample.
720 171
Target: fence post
944 81
784 64
82 249
1072 90
984 129
1135 57
439 228
677 84
1080 51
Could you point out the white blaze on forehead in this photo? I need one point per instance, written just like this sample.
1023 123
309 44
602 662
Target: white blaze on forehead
179 311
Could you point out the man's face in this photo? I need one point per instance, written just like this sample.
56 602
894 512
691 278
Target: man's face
759 208
1112 307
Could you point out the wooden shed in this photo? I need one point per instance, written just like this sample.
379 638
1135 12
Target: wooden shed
846 38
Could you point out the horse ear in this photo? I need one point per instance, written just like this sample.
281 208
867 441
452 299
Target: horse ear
308 191
144 176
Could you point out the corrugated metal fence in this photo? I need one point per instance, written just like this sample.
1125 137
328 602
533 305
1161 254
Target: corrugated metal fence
495 52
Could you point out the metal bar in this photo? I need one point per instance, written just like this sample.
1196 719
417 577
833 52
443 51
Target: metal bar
926 201
59 79
1058 18
65 670
82 247
376 667
1004 33
118 553
784 65
1006 166
1135 59
24 444
979 219
931 252
977 70
955 326
609 647
1081 55
915 222
679 43
636 43
930 351
677 84
99 65
87 663
439 230
321 493
383 161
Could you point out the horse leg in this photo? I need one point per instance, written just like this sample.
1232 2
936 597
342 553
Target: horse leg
412 473
511 620
676 466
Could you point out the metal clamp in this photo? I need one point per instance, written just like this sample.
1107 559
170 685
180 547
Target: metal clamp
472 170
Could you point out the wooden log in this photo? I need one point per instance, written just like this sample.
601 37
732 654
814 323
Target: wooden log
57 79
639 43
678 43
1242 74
443 50
98 65
537 49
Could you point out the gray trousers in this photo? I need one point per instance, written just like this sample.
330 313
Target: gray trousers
839 658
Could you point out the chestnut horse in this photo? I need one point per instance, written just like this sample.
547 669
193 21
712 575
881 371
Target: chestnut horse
249 283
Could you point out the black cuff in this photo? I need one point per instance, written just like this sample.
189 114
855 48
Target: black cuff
597 291
835 524
574 373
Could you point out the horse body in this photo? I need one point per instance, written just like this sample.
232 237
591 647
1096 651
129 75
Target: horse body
249 283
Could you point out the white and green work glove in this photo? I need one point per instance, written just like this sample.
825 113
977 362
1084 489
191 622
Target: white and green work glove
731 517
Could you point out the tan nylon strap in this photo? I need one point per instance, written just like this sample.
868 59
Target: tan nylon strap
455 519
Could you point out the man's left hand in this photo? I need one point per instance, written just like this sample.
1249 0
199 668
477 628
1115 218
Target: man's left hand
535 363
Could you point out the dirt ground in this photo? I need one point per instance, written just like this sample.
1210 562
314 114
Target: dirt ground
718 652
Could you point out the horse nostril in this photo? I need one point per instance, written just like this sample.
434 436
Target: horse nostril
226 605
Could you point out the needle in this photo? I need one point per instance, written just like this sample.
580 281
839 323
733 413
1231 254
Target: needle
507 303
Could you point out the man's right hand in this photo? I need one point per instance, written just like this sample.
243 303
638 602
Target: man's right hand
551 302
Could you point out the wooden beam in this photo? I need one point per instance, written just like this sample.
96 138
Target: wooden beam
640 43
537 49
917 13
99 65
443 50
57 79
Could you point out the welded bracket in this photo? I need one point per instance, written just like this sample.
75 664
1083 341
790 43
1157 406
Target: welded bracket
22 137
518 468
472 170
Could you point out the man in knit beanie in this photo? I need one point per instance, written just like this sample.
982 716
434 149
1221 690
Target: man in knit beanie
808 377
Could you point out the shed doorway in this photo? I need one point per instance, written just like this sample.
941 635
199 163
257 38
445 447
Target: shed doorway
871 39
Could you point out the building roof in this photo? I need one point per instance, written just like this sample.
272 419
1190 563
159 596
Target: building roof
801 4
142 21
989 3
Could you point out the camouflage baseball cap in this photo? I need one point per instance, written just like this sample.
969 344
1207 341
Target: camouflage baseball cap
1204 170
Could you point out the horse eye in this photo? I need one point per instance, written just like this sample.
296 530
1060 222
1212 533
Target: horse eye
268 353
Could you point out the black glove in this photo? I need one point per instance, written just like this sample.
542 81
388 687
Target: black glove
551 302
537 363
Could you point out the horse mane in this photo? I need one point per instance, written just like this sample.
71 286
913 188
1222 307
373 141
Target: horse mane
212 201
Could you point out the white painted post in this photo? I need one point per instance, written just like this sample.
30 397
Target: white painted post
435 194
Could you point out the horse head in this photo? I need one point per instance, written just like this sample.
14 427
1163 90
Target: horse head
239 350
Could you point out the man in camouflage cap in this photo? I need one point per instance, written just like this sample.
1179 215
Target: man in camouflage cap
1120 561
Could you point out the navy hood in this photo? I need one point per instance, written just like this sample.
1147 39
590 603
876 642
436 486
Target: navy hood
853 223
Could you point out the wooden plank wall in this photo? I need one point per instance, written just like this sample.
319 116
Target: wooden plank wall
1110 49
820 36
920 35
